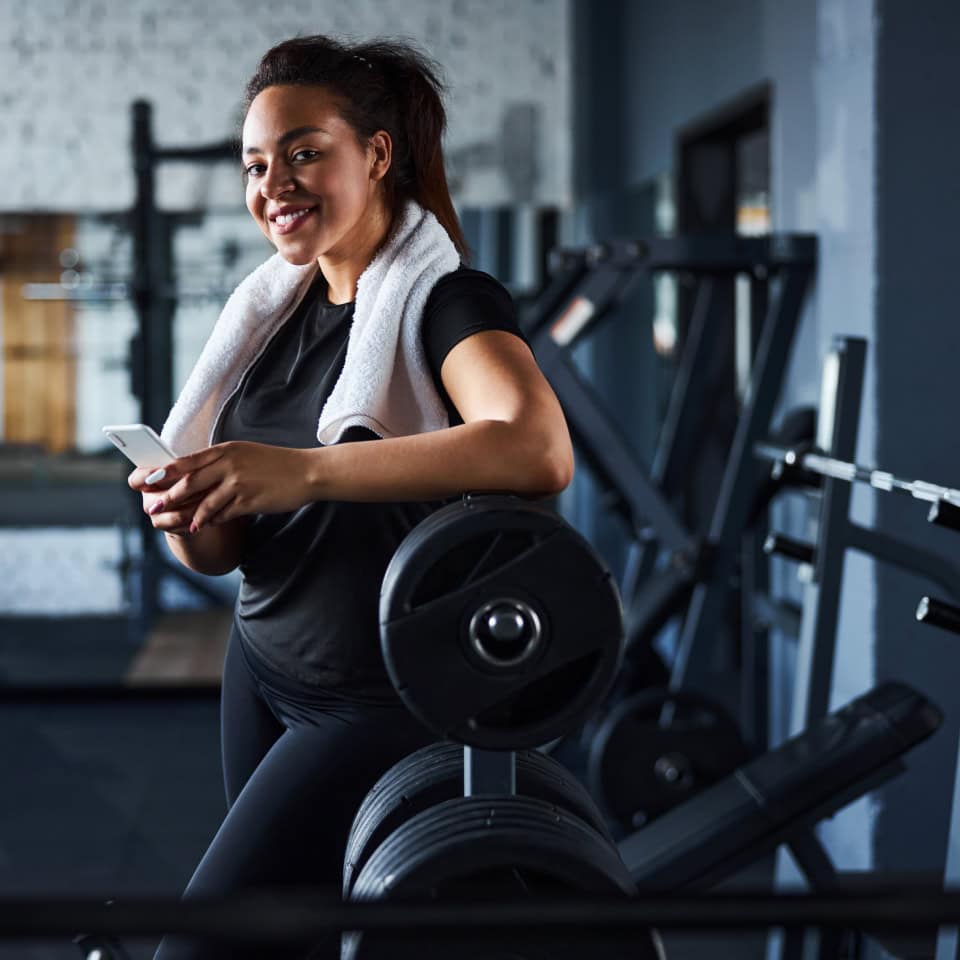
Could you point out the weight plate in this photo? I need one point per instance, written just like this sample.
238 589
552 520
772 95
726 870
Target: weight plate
500 626
658 748
434 774
476 848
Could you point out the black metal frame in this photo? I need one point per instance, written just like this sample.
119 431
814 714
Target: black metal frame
841 395
151 350
585 289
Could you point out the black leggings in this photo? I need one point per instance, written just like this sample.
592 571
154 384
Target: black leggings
296 765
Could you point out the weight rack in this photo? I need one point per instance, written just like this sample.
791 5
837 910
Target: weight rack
830 465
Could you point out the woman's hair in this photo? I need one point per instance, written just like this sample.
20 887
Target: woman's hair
381 85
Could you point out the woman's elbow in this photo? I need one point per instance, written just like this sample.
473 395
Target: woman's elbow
554 470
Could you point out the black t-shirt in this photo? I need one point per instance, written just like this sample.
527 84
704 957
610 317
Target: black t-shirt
309 594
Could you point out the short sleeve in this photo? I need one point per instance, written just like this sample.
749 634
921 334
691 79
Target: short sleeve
461 304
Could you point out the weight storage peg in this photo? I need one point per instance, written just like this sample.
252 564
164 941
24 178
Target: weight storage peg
784 546
938 613
473 849
434 774
500 627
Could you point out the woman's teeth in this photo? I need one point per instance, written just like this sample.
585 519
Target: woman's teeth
286 218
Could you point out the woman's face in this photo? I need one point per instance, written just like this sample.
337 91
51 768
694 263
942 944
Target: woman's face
312 188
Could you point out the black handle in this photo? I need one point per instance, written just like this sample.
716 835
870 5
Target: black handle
790 548
937 613
945 514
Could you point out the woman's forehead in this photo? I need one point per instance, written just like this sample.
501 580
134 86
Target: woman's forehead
281 108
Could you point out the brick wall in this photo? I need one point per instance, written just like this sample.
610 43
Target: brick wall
69 70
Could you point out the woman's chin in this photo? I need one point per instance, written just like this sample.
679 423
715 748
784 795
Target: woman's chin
298 258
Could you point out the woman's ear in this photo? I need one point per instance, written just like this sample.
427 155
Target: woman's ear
381 149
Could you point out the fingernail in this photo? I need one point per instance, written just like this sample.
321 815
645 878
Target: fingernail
194 527
156 508
156 476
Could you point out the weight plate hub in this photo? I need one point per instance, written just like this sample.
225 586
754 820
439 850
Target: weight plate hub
656 749
480 847
434 774
500 626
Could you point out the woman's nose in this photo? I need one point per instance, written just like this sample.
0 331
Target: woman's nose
275 183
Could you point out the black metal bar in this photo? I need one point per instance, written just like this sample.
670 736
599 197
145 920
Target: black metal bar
78 694
214 152
938 613
730 253
734 500
290 916
680 431
822 595
150 364
489 771
945 514
606 451
784 546
819 464
568 270
754 644
907 556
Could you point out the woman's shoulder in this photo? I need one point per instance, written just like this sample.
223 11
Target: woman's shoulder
467 282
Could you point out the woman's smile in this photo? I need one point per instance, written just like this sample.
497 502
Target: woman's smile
312 185
291 218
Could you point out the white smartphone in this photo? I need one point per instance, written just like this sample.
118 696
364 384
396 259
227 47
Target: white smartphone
139 444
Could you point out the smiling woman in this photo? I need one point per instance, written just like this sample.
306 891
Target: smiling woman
314 190
355 380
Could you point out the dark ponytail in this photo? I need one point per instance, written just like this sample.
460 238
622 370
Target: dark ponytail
382 85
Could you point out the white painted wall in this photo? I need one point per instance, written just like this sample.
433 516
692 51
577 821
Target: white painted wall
69 70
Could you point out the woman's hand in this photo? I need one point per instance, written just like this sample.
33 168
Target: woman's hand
176 522
231 480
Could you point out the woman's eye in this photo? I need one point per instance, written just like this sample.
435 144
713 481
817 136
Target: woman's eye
254 170
306 154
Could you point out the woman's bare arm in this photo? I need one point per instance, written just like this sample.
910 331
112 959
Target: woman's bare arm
514 439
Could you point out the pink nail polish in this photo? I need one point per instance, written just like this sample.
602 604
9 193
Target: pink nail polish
194 528
156 508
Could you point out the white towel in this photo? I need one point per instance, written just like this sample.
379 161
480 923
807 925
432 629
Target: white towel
386 384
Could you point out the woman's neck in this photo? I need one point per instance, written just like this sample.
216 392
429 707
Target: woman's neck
341 270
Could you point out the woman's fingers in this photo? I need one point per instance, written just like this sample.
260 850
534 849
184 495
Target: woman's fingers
147 479
173 521
215 508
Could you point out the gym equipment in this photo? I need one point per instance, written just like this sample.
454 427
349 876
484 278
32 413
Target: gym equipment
656 749
677 571
434 774
491 847
830 468
829 465
151 348
812 462
486 642
297 916
500 627
777 797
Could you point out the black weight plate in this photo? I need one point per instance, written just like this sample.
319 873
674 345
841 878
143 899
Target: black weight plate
450 567
656 749
434 774
475 848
